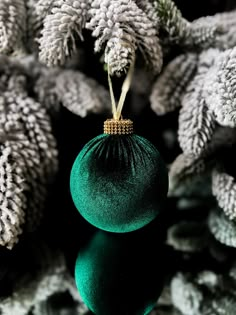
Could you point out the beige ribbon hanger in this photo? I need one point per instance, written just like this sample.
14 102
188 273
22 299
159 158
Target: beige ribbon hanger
117 108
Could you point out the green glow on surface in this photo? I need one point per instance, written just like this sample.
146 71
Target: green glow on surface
120 273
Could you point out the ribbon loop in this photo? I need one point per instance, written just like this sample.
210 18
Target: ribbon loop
117 109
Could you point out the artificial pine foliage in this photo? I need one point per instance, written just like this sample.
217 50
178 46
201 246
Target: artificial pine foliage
54 97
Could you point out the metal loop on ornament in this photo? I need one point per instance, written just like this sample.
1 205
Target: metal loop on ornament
118 127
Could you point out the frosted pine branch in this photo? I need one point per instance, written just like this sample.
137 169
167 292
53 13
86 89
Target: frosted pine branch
38 127
45 90
168 90
37 124
42 7
43 81
209 279
180 30
50 276
223 229
148 7
200 33
171 86
171 19
80 94
120 53
121 27
206 293
62 27
224 189
12 25
196 122
225 303
72 89
186 296
36 12
12 198
12 75
226 25
27 135
221 89
197 119
34 149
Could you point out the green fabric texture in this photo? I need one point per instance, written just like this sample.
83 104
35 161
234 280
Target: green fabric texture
118 182
120 273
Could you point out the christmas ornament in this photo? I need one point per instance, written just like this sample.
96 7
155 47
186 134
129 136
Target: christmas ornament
119 180
120 273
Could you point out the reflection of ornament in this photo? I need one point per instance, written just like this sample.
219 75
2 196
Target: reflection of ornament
120 273
118 181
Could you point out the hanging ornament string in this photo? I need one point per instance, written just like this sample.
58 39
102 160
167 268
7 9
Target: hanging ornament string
117 109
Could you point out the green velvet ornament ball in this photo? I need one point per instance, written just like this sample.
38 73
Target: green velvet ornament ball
120 274
118 181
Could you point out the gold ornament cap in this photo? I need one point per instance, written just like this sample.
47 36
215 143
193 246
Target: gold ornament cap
118 127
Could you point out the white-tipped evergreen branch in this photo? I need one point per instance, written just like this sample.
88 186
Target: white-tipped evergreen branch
171 19
196 121
180 30
37 10
204 293
49 276
225 23
186 295
81 95
12 198
221 88
62 27
45 89
28 150
148 7
223 229
168 90
224 189
121 27
12 25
